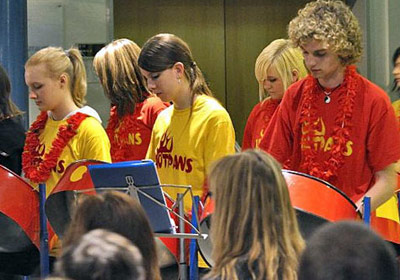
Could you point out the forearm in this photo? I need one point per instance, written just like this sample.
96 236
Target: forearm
383 189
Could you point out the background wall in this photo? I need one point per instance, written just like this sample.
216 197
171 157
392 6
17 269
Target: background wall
225 36
67 23
383 37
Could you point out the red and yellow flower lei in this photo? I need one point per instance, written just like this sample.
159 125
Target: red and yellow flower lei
118 130
327 170
38 169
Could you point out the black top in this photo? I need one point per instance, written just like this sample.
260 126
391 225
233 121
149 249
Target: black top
12 139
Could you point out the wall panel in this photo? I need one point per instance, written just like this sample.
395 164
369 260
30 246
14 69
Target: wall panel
226 36
250 26
199 23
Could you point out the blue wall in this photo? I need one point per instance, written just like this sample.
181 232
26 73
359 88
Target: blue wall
13 48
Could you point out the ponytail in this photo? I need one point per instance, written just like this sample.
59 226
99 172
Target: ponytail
78 82
197 82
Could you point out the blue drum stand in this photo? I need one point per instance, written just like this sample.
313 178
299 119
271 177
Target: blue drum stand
44 235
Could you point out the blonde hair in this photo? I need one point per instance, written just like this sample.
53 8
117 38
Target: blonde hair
253 218
117 68
284 58
67 62
332 22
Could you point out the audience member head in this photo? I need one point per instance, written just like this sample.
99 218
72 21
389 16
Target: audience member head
330 22
164 53
120 213
7 107
253 217
277 67
347 251
101 255
65 67
117 68
396 69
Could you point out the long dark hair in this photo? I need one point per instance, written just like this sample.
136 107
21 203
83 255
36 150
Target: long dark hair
7 107
162 51
118 213
395 56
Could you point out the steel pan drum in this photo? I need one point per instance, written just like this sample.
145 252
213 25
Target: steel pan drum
19 213
316 202
19 224
62 199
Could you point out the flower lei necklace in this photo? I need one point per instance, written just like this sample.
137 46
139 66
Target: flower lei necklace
327 170
38 169
119 134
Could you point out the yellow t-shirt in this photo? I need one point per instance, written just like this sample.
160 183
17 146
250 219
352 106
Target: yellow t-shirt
396 107
185 142
91 142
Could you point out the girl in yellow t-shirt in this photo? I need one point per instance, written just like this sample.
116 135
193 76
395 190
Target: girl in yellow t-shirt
188 136
65 131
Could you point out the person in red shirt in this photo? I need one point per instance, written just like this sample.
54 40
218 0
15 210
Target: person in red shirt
335 124
133 109
277 67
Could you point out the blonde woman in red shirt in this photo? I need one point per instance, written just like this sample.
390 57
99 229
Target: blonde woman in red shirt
277 67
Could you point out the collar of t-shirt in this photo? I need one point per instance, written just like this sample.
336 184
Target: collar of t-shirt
84 110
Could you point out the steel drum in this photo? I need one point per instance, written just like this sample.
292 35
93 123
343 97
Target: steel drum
19 213
317 201
59 204
19 224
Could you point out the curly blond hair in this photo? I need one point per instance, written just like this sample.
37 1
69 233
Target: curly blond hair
332 22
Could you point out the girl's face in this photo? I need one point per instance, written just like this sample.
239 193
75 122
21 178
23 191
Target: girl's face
273 84
164 84
396 71
43 90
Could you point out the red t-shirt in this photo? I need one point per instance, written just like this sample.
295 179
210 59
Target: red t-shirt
134 130
258 121
374 136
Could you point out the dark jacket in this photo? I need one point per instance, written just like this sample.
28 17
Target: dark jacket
12 139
